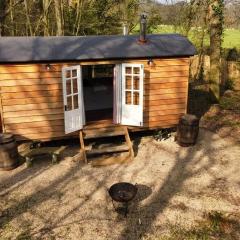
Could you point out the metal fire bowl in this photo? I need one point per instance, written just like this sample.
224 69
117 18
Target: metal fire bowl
123 192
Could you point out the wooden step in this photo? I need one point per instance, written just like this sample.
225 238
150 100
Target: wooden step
113 130
112 149
103 132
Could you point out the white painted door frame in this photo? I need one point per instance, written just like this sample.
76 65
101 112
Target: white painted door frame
132 94
74 114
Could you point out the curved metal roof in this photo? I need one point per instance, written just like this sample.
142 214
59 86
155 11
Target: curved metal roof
67 48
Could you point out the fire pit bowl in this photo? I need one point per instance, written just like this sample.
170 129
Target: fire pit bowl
123 192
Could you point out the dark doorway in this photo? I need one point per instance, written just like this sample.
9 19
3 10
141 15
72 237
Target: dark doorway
98 92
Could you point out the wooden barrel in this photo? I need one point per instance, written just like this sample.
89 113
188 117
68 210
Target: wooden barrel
9 157
187 131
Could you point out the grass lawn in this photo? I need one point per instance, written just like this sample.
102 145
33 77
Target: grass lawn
231 36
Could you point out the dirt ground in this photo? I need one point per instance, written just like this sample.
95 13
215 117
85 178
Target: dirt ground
176 186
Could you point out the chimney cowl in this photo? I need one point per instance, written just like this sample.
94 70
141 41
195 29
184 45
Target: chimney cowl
143 28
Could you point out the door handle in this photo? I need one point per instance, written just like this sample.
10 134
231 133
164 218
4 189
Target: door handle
65 107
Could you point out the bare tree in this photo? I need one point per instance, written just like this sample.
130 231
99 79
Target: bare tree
59 17
12 19
28 22
78 16
45 9
232 16
129 10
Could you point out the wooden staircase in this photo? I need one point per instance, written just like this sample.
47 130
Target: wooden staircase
110 131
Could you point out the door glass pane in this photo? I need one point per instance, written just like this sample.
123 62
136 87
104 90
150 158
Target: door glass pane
69 104
128 82
68 74
75 85
74 73
68 87
128 99
136 70
136 80
128 70
75 102
135 98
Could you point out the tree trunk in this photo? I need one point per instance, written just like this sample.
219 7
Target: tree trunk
3 6
78 17
45 4
215 49
28 22
200 68
59 17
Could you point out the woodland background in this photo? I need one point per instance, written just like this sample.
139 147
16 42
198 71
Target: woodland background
97 17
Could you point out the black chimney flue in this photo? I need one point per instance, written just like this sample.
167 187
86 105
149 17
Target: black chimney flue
143 28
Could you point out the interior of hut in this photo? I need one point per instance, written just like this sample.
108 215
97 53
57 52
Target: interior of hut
98 92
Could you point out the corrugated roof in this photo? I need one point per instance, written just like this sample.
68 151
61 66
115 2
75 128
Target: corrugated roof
36 49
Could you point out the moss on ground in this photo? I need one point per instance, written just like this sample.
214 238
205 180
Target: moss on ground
215 226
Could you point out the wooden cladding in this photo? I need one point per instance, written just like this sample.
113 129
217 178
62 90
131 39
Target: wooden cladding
32 102
33 94
34 88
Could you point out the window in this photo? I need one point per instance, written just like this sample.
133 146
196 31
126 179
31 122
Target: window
132 85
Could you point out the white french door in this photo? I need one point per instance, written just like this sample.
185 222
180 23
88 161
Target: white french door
132 94
117 93
74 115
